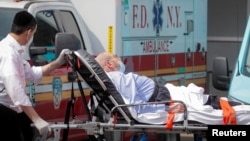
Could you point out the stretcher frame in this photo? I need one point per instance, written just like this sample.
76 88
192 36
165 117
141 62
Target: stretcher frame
94 76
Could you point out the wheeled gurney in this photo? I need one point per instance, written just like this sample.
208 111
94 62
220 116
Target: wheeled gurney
111 113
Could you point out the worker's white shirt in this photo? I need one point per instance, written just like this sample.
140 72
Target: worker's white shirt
13 74
135 89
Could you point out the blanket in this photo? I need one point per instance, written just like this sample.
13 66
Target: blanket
194 98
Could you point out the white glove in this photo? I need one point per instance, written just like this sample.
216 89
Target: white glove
42 126
61 59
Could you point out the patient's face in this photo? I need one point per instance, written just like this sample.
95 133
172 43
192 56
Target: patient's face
113 64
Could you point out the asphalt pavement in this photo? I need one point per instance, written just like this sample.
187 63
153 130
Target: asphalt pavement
187 137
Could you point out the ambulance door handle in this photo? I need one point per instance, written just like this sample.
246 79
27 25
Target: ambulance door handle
190 27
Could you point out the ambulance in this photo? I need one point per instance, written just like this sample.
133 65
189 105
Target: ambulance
162 39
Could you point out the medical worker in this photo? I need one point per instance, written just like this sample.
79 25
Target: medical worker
16 111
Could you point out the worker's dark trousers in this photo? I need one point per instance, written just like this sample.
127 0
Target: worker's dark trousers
14 126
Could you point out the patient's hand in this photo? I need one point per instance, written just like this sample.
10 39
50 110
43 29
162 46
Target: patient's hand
176 108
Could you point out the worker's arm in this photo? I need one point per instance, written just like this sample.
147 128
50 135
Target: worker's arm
61 59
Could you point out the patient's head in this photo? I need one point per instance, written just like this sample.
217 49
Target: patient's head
109 62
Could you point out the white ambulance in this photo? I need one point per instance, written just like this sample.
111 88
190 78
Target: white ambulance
162 39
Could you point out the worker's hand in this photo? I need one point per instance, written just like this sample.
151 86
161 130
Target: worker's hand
42 126
61 59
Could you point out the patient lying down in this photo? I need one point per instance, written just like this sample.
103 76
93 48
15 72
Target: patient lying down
141 89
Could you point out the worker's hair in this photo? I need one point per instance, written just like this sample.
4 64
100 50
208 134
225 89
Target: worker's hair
23 21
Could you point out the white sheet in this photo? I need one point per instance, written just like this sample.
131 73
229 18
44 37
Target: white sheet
193 96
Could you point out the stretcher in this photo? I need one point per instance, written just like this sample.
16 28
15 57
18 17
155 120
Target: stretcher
111 113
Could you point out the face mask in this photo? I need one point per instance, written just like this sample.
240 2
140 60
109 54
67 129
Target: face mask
122 66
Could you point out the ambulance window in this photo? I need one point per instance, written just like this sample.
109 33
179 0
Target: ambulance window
49 23
6 16
47 29
70 24
45 37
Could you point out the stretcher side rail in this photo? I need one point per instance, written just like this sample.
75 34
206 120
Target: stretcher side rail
98 128
151 103
95 128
